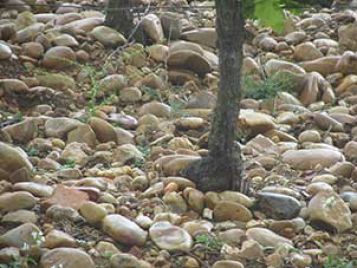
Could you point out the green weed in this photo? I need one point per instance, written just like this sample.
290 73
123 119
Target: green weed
335 262
210 242
268 88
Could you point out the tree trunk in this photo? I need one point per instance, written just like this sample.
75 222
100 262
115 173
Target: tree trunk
119 17
222 169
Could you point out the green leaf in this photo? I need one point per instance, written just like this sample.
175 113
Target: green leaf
270 13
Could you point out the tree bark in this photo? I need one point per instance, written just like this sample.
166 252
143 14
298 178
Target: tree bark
119 17
222 169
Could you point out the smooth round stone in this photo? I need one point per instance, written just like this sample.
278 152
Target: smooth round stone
57 239
231 211
316 187
267 238
326 178
92 212
228 264
123 260
278 206
73 258
20 216
5 52
59 58
310 136
39 190
170 237
123 230
16 201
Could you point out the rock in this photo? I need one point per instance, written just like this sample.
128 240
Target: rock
306 52
58 239
17 200
75 152
158 52
123 230
316 187
186 55
295 37
92 212
125 153
203 36
274 66
24 131
58 213
171 24
278 206
33 49
267 238
112 83
194 199
170 237
228 264
310 158
237 197
108 36
255 123
14 165
66 257
17 237
155 108
252 250
153 28
57 81
65 40
66 197
351 198
83 25
39 190
328 210
346 36
20 216
60 58
226 210
268 44
172 165
175 203
350 150
82 134
310 136
130 95
123 260
13 86
104 131
60 126
5 52
29 33
106 248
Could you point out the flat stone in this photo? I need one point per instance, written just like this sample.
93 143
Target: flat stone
66 197
227 210
170 237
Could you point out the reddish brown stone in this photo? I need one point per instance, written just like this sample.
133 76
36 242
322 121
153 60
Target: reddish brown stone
66 197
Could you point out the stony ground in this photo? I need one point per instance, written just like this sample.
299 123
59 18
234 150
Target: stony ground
95 131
